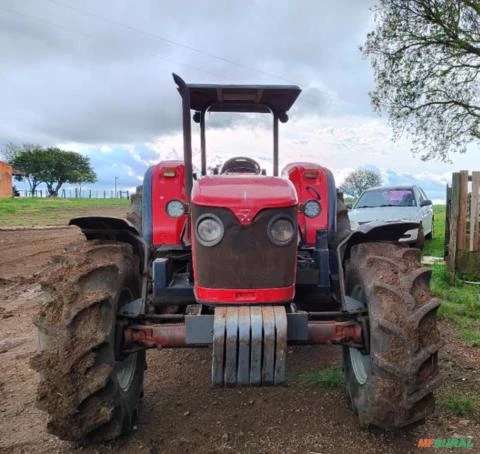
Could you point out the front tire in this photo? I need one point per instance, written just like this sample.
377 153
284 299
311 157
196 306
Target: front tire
89 393
391 386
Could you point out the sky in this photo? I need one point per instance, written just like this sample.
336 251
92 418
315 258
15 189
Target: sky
95 76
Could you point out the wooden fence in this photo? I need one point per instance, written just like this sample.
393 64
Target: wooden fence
462 242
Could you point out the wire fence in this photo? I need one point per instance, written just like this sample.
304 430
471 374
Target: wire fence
76 193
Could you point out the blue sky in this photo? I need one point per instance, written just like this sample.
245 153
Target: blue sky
95 77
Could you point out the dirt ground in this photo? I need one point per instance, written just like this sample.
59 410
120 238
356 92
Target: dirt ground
181 412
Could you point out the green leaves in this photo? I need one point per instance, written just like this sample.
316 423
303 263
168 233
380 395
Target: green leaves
52 166
359 180
426 60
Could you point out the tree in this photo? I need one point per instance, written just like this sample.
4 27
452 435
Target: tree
54 167
359 180
27 159
426 60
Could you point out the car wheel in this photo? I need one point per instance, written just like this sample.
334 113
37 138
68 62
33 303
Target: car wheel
420 238
429 236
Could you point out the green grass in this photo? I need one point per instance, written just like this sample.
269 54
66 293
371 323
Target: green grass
458 404
460 301
460 304
435 246
36 211
330 377
471 337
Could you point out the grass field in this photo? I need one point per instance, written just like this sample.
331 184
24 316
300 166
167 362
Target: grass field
50 211
436 245
460 301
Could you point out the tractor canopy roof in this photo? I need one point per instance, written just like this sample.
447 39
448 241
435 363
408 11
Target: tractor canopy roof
241 98
203 98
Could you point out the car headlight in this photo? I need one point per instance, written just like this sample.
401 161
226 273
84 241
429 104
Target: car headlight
281 230
311 208
175 208
209 230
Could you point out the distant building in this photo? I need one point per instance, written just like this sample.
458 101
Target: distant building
6 172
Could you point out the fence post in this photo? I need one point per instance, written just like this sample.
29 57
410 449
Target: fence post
448 208
462 219
454 213
474 199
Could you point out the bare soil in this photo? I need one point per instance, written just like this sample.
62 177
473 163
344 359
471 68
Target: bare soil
181 412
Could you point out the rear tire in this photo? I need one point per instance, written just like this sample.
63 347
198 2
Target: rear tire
88 392
343 221
134 214
391 385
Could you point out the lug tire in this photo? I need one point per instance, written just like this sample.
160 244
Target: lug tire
88 393
400 372
134 214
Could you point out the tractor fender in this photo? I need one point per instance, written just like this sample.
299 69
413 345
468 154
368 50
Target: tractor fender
369 232
115 229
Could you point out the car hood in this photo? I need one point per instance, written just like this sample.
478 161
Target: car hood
384 214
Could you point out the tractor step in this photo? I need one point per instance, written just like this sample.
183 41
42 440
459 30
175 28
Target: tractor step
249 345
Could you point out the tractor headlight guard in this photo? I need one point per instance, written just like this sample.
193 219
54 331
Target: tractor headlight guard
311 208
209 230
175 208
281 230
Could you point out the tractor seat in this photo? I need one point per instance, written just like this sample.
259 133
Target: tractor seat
241 164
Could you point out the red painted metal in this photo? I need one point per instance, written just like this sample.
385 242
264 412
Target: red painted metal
245 195
161 336
334 332
167 184
252 296
310 181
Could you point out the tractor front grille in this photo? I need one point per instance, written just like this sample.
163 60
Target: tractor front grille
245 258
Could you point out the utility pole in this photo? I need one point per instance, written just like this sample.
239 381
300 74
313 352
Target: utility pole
116 179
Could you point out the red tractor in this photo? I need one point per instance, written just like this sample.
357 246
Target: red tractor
244 263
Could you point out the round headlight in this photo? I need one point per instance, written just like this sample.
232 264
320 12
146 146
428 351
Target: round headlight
311 208
175 208
209 229
281 231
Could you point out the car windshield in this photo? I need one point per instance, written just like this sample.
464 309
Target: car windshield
386 198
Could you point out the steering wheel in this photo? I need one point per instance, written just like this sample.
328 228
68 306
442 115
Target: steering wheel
241 164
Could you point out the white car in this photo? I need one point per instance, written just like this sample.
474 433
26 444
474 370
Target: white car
396 203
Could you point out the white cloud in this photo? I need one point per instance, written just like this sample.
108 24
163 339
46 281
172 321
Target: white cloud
106 91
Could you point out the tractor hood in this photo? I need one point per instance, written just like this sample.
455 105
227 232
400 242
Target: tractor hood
245 195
